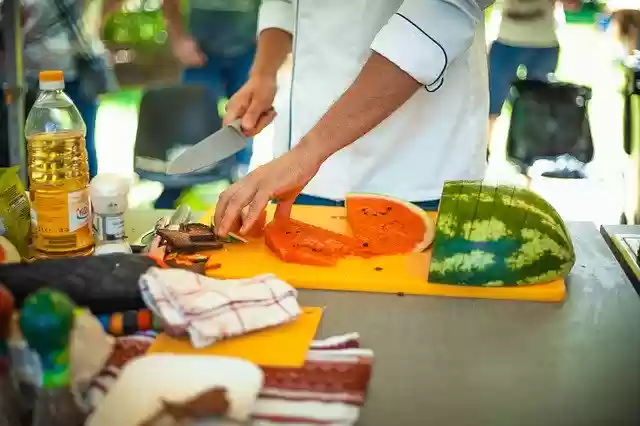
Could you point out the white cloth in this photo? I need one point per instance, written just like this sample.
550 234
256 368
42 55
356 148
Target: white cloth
439 134
211 310
298 399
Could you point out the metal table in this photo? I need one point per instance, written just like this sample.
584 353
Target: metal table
458 362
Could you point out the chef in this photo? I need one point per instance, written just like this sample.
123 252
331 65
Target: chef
387 96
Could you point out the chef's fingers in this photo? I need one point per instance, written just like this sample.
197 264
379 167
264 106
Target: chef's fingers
283 208
259 106
254 210
236 106
264 120
234 204
221 206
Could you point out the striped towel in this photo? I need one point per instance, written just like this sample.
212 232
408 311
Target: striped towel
328 389
210 310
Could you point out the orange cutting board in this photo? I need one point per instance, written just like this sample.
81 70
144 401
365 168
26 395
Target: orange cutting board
403 274
285 345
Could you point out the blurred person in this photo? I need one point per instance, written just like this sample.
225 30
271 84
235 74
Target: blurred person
527 37
216 49
625 23
387 97
56 36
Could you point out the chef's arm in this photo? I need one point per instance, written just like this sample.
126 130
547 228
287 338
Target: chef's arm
410 53
275 27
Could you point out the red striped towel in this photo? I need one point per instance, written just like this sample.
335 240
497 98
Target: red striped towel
210 310
328 389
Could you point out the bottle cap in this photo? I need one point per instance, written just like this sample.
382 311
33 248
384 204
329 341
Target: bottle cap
51 80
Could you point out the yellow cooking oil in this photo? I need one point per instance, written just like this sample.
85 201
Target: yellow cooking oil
58 173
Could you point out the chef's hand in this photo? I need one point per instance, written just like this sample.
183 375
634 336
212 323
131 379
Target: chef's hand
187 51
253 104
281 179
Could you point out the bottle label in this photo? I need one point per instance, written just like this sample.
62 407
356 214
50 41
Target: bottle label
108 227
62 220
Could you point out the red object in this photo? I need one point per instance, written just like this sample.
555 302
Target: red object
298 242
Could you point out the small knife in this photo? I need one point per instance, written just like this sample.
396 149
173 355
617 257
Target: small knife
209 151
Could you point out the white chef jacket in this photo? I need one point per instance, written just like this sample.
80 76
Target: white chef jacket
437 135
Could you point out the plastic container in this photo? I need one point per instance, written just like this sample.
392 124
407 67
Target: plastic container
58 172
109 199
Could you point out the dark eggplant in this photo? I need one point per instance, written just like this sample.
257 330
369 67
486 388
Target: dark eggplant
104 284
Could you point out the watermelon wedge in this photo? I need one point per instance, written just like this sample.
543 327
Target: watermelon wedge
385 225
498 235
298 242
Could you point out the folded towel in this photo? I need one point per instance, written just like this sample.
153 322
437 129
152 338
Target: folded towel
329 389
210 309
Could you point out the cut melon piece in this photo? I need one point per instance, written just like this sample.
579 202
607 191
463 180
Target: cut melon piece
8 252
298 242
500 235
385 225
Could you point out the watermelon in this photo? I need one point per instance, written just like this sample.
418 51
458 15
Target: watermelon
386 225
497 236
298 242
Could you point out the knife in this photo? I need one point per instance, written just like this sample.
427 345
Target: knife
209 151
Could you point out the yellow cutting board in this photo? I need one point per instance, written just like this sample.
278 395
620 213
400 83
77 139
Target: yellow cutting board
285 345
402 274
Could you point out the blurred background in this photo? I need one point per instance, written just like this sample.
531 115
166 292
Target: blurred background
595 41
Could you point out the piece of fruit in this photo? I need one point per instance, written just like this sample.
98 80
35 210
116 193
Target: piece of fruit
496 236
385 225
298 242
8 252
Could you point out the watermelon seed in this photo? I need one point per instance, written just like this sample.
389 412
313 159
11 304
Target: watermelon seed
365 244
288 232
377 268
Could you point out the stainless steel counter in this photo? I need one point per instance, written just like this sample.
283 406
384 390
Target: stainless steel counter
458 362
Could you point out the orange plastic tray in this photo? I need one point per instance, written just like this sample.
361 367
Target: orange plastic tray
385 274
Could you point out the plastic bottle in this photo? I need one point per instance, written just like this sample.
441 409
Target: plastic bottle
109 200
58 172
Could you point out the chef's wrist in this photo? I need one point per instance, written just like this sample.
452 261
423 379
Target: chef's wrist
314 148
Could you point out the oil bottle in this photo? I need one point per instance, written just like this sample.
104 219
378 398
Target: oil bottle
58 172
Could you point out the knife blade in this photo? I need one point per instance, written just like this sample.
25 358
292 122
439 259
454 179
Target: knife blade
216 147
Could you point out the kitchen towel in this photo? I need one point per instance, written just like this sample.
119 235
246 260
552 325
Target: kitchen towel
329 389
210 310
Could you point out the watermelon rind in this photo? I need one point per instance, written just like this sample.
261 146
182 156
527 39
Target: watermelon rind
429 225
498 235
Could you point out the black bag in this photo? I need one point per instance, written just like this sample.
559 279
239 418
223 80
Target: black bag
549 122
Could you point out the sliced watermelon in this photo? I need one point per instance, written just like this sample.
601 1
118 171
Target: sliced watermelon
386 225
498 235
298 242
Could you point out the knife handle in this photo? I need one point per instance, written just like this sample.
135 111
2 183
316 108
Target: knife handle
237 123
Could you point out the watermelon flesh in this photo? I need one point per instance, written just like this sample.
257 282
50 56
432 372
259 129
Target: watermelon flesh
380 225
496 236
298 242
386 225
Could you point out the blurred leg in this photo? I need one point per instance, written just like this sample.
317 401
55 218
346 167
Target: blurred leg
89 111
541 62
504 61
